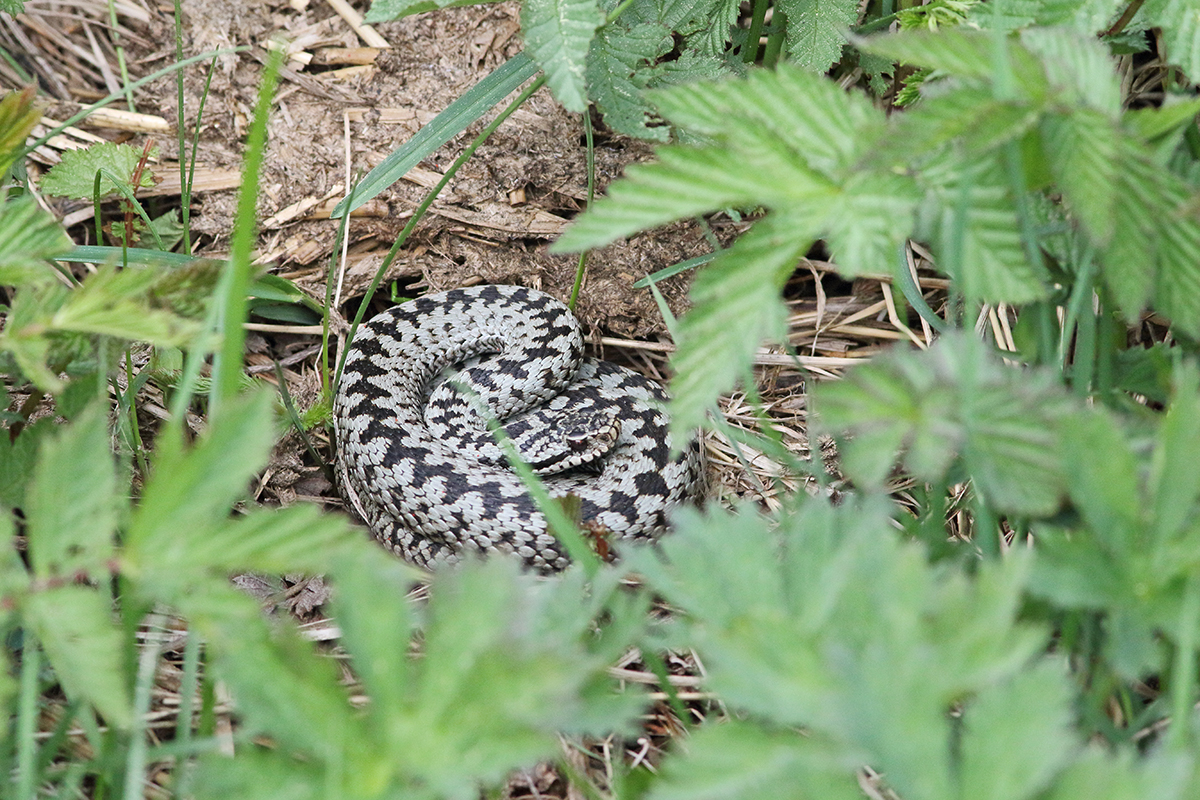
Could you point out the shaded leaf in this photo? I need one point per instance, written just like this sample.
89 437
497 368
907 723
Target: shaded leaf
75 627
814 30
617 54
28 237
558 34
72 502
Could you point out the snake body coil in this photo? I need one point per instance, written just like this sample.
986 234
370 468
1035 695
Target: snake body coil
418 463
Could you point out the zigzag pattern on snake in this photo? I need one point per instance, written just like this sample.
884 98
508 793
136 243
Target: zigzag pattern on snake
415 458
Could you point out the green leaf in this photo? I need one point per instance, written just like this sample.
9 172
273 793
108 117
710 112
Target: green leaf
683 182
1180 24
558 34
955 51
28 237
776 104
506 668
949 402
1081 148
869 220
814 31
113 302
822 619
975 217
1129 259
736 304
1098 775
1174 483
189 494
75 626
615 64
18 115
1079 69
75 175
468 108
737 760
377 624
71 505
17 460
1017 735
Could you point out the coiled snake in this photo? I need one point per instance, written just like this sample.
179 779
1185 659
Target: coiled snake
416 459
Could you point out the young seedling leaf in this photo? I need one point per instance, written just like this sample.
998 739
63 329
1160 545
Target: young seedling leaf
75 175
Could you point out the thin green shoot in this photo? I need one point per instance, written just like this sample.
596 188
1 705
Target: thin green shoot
235 281
183 719
674 269
591 196
27 718
419 213
135 759
127 193
115 32
775 39
326 385
912 292
758 16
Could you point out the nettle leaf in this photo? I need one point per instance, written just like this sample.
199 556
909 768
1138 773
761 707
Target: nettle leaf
75 175
814 30
113 302
71 505
1081 148
616 56
1079 69
736 305
1180 24
736 760
508 663
1018 734
558 34
953 402
823 619
75 627
974 219
28 238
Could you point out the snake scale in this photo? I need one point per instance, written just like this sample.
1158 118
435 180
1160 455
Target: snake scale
416 459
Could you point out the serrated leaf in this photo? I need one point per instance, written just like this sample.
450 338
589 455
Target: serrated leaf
18 115
1128 260
71 505
952 401
779 103
17 460
1081 148
1105 490
28 238
505 668
823 620
1180 24
1173 483
738 760
868 220
683 182
1017 735
814 31
191 492
113 302
1163 775
75 175
976 218
736 304
617 54
1079 68
969 112
956 51
75 627
558 34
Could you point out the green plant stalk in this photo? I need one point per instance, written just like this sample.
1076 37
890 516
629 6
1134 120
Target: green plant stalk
185 189
120 48
1183 683
235 282
183 720
128 404
127 193
326 383
424 207
104 101
758 16
775 40
27 718
591 196
135 760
